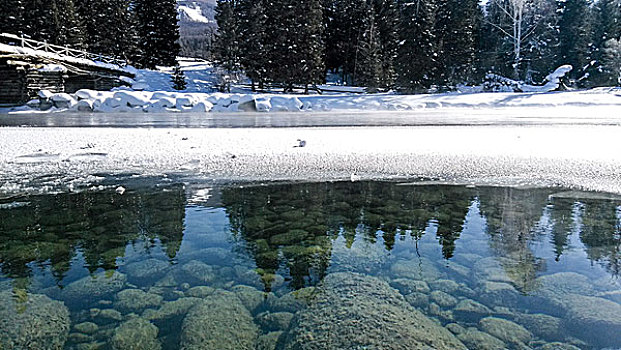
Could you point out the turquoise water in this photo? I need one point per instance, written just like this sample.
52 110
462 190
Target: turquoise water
309 266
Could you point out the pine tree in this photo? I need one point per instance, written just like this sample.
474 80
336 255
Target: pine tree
251 23
66 28
158 32
178 78
12 20
417 51
574 35
387 23
456 33
226 46
607 26
294 42
370 71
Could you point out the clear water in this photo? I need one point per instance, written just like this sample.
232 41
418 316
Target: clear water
165 266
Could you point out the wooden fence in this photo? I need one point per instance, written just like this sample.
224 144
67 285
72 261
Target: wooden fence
20 41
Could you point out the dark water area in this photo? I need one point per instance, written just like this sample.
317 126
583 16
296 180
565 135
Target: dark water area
377 265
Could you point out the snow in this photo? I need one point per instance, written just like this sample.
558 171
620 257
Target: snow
38 53
53 68
191 14
580 156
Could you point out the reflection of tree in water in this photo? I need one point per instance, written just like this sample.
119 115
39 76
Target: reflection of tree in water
601 232
512 217
562 224
52 228
293 225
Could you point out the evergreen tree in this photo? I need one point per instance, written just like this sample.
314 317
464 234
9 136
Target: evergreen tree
611 62
387 23
158 32
574 35
295 43
251 23
226 46
417 51
456 33
607 26
65 27
178 78
12 20
370 71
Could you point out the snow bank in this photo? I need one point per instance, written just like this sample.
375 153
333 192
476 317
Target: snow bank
126 100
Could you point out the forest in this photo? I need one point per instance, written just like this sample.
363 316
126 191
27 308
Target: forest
406 45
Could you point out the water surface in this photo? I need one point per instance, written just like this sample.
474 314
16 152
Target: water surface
164 265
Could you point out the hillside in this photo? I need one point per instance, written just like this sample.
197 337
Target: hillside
196 26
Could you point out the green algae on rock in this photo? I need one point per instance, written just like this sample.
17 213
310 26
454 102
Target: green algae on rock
355 311
136 300
136 334
95 287
36 322
219 322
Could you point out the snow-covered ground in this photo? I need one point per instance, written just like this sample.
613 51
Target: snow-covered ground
581 156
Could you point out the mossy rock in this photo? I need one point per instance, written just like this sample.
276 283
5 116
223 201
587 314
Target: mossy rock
594 320
146 270
136 300
274 321
32 321
268 341
219 322
353 311
477 340
471 311
135 334
505 330
93 288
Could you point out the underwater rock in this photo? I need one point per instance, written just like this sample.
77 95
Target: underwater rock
444 300
200 291
542 325
435 310
80 338
471 311
458 269
92 288
595 320
560 284
135 334
199 271
250 297
455 328
499 293
418 300
32 322
213 256
490 270
86 327
171 309
423 269
407 286
219 322
505 330
274 321
354 311
146 270
446 286
558 346
292 301
135 300
477 340
268 341
110 315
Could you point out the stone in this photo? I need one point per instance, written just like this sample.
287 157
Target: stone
250 297
418 300
86 327
135 334
172 309
110 315
274 321
93 288
541 325
199 271
499 293
32 321
444 300
407 286
417 270
135 300
477 340
505 330
446 286
354 311
594 320
435 310
80 338
490 270
292 301
455 328
268 341
200 292
558 346
219 322
146 270
471 311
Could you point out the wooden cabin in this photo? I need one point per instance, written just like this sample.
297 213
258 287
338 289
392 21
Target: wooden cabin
25 70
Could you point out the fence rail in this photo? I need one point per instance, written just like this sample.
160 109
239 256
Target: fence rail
20 41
